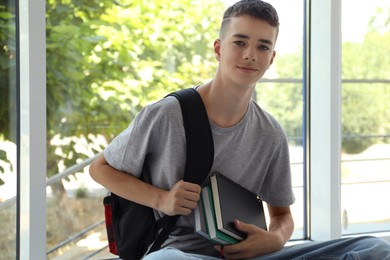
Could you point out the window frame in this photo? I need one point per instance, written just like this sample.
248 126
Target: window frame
31 145
324 118
322 133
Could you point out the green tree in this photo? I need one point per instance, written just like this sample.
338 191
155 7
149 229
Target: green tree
7 77
284 100
105 61
108 59
365 106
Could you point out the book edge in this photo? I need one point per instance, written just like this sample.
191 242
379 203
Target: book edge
212 231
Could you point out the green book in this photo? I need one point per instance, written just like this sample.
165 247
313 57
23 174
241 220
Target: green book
214 234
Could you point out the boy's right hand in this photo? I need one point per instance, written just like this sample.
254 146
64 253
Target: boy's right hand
181 199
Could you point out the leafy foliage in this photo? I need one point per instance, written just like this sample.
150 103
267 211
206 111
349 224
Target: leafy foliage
106 60
284 100
365 106
7 78
7 71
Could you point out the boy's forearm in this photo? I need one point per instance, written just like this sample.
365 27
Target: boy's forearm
283 226
125 185
281 223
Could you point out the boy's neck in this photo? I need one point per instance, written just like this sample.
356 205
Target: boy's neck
225 105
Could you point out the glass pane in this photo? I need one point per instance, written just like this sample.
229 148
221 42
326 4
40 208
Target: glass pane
365 116
105 61
78 122
280 93
108 59
8 153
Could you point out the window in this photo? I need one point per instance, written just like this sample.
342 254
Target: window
365 167
108 70
116 60
101 62
281 91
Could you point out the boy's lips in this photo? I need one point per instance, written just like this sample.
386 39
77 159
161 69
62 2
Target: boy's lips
247 68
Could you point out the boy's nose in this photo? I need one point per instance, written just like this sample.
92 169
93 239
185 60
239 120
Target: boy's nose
250 55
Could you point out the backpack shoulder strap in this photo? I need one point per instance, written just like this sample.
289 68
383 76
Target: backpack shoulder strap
199 139
200 149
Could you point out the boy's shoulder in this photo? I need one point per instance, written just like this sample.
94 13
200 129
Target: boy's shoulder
165 104
164 110
266 119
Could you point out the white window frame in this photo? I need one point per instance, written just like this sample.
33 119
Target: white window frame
31 197
325 119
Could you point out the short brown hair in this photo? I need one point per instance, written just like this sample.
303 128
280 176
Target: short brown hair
254 8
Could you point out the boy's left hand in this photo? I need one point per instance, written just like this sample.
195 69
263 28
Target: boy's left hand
258 242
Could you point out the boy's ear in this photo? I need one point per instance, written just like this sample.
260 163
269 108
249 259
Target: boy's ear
272 58
217 49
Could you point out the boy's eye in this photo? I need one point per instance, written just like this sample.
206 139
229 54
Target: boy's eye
239 43
263 48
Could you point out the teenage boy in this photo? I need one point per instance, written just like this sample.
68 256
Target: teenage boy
250 148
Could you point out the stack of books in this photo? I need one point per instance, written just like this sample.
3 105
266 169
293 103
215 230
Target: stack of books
221 202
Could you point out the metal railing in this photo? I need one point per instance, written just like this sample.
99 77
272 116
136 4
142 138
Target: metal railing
52 180
74 237
55 178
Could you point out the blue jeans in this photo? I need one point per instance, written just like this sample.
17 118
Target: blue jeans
358 248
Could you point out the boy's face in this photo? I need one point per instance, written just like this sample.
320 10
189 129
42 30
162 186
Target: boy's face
245 50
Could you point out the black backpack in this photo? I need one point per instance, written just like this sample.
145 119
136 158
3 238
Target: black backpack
131 228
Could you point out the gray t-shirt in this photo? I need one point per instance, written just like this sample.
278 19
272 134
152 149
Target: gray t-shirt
253 153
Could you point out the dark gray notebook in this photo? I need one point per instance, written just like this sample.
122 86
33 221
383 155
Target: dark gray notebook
232 201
